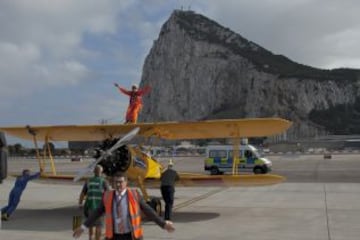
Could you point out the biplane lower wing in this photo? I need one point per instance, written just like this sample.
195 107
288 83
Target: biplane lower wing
140 167
226 128
203 180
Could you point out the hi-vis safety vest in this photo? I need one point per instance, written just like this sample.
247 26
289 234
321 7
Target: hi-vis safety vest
95 192
134 211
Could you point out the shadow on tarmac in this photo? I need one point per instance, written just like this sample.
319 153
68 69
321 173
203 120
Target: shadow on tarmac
60 219
57 219
185 217
193 216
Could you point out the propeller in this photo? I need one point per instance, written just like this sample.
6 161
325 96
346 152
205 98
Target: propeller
121 142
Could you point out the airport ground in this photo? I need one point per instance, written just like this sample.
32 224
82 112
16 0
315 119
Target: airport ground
320 200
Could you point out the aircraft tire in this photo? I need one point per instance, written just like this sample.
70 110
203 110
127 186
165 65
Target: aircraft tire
2 140
155 203
3 164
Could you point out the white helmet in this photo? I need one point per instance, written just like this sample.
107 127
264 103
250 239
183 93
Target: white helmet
134 86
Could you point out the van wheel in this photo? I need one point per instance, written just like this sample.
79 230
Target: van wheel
258 170
214 171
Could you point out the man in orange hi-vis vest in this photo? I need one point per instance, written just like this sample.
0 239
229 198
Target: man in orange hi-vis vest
135 103
121 207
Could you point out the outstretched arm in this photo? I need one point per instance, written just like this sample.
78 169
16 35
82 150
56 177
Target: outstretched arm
144 91
122 90
33 176
152 215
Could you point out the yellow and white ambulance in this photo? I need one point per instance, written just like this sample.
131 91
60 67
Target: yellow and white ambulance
219 159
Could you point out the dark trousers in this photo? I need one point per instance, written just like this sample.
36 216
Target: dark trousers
14 199
126 236
167 193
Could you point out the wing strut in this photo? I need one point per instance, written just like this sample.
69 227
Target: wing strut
33 134
236 143
48 150
236 157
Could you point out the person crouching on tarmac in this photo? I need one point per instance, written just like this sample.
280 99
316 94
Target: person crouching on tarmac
16 192
93 190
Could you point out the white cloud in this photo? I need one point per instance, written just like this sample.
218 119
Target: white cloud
59 58
302 30
41 41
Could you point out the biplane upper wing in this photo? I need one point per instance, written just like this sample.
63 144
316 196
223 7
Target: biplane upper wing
225 128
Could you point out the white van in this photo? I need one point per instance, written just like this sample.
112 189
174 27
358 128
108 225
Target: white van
219 159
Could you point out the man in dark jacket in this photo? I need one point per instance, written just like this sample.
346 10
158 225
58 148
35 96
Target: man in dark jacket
168 179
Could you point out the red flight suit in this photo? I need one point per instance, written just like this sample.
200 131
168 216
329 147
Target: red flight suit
135 103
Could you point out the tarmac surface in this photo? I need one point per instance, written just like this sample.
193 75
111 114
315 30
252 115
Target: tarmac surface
320 200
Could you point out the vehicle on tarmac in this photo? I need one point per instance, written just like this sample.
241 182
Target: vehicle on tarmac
219 159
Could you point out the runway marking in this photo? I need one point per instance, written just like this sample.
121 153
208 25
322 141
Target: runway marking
196 199
327 213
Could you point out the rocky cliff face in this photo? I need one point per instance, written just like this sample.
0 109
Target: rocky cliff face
201 70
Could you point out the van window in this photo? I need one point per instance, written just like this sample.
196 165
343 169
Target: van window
217 153
257 154
231 154
248 154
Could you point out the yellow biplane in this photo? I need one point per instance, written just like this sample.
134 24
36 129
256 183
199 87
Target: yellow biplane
115 153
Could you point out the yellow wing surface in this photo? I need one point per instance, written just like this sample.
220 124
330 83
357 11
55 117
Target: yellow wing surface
225 128
203 180
234 128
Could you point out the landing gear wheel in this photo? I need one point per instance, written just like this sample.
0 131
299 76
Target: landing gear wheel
2 140
3 157
3 164
155 203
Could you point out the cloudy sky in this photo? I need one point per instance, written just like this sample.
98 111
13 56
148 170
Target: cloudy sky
60 58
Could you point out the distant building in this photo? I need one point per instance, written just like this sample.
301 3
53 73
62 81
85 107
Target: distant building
82 145
352 144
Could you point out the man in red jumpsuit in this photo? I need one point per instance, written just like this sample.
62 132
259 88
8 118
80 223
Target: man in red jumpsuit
135 103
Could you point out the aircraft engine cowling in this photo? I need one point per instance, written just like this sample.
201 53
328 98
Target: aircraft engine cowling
129 159
120 160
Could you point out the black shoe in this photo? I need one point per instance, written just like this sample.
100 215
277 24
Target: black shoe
5 217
